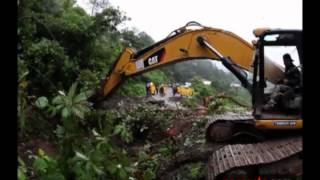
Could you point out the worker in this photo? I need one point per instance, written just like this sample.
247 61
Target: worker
147 88
162 90
292 73
153 89
288 87
176 89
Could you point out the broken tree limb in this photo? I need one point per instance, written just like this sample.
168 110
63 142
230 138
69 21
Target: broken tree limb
208 99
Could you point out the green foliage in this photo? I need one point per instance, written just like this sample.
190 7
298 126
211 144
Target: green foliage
48 63
57 40
41 102
124 133
22 106
88 81
166 151
137 86
201 89
192 102
194 171
72 104
146 122
157 76
147 165
94 153
46 167
242 95
182 71
22 170
218 106
88 166
61 47
132 87
135 39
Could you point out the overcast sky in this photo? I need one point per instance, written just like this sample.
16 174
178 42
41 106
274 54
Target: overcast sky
160 17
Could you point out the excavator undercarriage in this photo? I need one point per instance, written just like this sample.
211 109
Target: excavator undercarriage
250 153
272 158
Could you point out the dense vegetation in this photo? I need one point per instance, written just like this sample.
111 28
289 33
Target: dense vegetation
63 54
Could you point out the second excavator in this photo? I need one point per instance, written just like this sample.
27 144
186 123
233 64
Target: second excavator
257 144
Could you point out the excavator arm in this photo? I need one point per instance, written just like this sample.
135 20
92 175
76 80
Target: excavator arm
183 45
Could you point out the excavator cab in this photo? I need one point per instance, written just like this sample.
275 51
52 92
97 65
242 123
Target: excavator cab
271 46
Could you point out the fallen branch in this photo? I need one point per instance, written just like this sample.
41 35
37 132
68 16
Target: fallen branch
208 99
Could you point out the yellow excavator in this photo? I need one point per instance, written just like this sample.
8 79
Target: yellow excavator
185 91
260 143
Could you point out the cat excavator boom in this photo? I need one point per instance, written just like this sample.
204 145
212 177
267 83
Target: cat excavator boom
182 45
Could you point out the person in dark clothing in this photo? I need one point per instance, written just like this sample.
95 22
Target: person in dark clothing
292 76
287 87
148 88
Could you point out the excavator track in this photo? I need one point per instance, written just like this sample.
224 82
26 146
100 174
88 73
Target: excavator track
223 127
255 152
265 154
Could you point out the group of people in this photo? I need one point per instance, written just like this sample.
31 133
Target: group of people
152 89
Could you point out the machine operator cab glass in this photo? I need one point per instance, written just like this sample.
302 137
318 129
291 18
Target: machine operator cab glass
278 76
